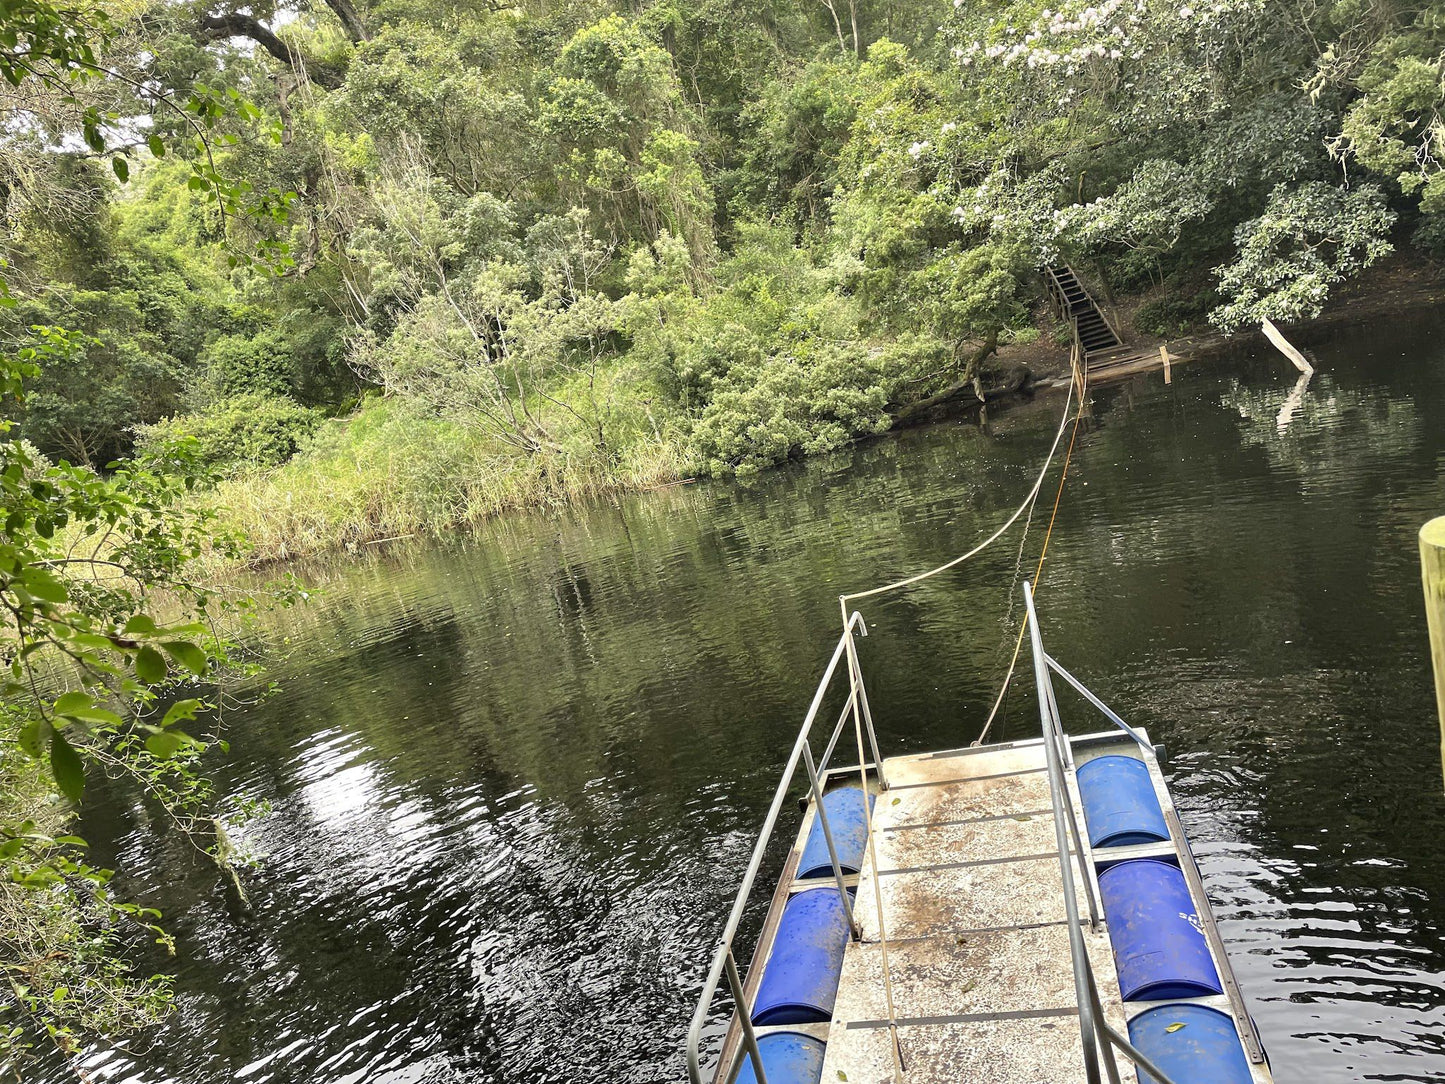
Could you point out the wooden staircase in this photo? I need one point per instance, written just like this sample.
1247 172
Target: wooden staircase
1097 338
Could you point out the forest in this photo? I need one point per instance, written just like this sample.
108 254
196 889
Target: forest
476 257
281 278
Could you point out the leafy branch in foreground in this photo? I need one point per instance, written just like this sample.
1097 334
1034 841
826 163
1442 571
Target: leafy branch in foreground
112 649
113 653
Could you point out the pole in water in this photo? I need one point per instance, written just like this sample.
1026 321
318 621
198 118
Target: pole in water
1432 573
1285 347
1164 357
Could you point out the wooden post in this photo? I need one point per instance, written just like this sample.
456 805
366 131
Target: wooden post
1285 347
1164 357
1432 571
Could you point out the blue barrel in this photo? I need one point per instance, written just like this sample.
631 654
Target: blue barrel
788 1058
848 821
1159 946
800 978
1120 806
1206 1050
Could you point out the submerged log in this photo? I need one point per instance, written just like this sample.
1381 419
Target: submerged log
1283 345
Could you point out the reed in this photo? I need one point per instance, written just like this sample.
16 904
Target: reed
387 473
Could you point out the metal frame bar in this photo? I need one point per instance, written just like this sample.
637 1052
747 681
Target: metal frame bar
724 963
1248 1034
1094 1031
1103 707
1243 1024
817 791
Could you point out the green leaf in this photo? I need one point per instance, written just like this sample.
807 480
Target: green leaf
72 702
156 144
181 709
122 169
96 715
188 655
150 665
1172 1028
140 625
33 736
65 764
44 587
166 743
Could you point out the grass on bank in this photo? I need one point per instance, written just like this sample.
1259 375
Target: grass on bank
392 471
65 972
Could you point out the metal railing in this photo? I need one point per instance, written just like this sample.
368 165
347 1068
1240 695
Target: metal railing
1097 1035
724 964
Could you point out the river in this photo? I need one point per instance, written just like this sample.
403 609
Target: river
511 782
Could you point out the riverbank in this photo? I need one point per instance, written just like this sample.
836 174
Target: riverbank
1404 283
388 475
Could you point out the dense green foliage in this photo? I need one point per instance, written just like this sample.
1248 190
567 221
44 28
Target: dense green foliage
112 648
685 238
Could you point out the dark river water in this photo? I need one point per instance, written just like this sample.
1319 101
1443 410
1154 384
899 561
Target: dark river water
513 781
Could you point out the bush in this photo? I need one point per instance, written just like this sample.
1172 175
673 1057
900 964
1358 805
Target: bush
240 365
813 398
1176 314
253 431
1429 235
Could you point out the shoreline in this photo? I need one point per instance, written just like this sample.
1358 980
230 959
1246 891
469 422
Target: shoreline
1015 371
1404 283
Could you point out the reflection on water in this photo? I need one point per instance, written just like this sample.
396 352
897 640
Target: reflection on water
514 781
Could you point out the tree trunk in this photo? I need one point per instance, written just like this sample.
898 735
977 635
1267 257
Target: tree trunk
837 25
235 24
350 19
975 362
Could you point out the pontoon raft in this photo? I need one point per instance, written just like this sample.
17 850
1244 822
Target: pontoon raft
1026 912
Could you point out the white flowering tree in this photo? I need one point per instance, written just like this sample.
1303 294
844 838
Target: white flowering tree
1155 134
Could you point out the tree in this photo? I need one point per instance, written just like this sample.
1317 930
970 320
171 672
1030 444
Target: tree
95 680
1308 240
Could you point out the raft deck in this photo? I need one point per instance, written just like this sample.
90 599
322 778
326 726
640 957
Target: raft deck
977 932
992 948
